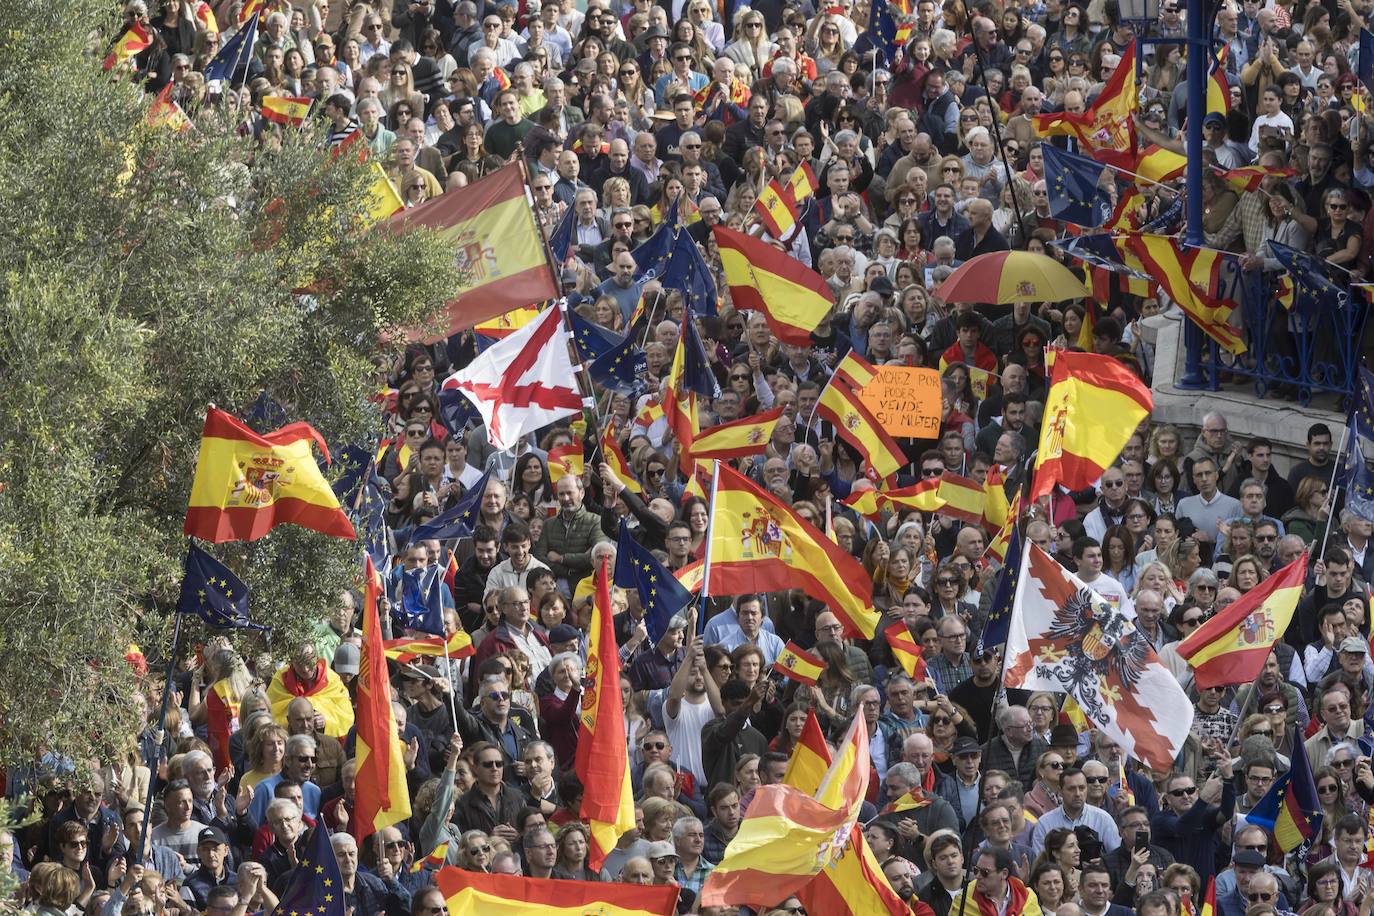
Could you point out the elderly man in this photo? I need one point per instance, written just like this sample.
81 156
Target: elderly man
828 626
301 719
1016 748
493 723
566 540
689 839
515 631
309 676
915 824
298 766
377 891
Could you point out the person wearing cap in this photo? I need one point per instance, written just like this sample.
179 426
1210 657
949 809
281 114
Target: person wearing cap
962 788
213 848
1246 865
663 859
347 658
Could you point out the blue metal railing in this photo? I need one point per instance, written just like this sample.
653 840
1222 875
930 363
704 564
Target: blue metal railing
1290 356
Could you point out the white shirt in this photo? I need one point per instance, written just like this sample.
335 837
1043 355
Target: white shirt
1279 120
1112 592
685 734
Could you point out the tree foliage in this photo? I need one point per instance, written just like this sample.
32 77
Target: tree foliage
148 274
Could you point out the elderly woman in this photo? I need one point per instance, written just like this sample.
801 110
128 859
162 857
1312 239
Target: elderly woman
559 710
1044 795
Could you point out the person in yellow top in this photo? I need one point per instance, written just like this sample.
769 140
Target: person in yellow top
309 676
993 891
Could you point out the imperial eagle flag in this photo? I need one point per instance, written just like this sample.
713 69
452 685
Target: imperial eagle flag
1064 637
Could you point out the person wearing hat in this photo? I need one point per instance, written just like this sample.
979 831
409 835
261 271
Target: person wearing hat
213 848
663 859
653 45
961 789
1246 865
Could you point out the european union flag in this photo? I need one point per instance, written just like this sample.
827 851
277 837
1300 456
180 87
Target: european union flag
622 368
560 243
315 886
213 593
882 29
591 338
235 54
671 257
1363 410
459 521
1313 289
660 594
696 368
1072 183
369 520
1099 250
354 464
1364 65
1290 809
422 601
1359 479
998 625
456 411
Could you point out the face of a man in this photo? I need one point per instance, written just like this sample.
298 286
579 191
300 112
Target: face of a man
1075 791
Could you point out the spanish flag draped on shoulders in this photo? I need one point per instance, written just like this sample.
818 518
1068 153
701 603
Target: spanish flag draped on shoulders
1019 900
322 687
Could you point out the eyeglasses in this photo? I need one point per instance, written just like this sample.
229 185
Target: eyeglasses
942 720
1255 847
682 57
950 168
491 764
1180 793
1337 207
303 758
498 695
1274 709
984 872
1191 621
743 377
1266 538
1056 765
1260 896
947 582
479 850
1096 780
395 844
79 844
1327 788
653 746
1342 764
1055 58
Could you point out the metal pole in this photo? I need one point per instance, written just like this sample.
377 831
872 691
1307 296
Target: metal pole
144 842
1199 44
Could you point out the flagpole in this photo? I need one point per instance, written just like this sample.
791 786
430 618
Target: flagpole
710 532
448 669
1331 489
143 839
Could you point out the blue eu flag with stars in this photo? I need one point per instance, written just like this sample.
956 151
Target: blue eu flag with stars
459 521
1313 290
1364 405
998 626
1359 479
214 594
621 368
315 886
1071 181
660 594
422 601
883 28
592 339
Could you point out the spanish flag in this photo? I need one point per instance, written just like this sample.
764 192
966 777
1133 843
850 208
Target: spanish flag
798 664
963 498
855 423
1218 89
383 200
997 547
996 506
1231 647
435 859
758 544
810 759
246 484
507 324
788 837
613 456
692 575
793 297
1093 406
1105 128
856 371
608 806
402 651
249 8
166 113
923 496
493 233
649 414
473 893
382 797
290 110
910 800
1248 177
1209 899
738 438
906 650
779 206
1159 164
1189 279
566 461
131 43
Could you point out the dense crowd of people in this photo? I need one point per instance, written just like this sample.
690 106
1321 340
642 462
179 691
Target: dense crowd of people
924 159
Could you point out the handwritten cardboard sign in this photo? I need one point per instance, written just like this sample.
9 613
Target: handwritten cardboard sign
906 401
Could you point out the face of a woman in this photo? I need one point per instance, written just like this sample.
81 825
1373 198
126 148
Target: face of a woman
899 564
1069 852
1246 577
1050 886
1050 769
1154 579
796 720
698 518
1327 887
574 847
747 669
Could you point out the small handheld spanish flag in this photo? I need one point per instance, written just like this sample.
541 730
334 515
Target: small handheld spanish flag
908 801
906 650
129 44
290 110
798 664
435 859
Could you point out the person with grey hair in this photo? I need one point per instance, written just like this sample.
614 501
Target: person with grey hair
541 853
298 765
378 136
689 839
377 891
653 670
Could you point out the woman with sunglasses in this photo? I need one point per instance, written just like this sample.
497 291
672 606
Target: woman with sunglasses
1044 794
824 43
1072 37
751 46
1331 799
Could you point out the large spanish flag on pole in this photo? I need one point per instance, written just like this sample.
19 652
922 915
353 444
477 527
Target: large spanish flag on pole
856 424
793 297
853 885
1093 407
1105 129
608 804
788 837
1231 647
383 797
471 893
779 206
755 543
495 241
246 483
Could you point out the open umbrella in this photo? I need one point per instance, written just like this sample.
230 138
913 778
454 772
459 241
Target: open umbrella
1011 276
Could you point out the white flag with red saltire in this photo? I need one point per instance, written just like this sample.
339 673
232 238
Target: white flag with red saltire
1065 637
523 382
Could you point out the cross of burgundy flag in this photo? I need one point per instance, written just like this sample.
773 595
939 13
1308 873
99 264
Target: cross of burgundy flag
523 382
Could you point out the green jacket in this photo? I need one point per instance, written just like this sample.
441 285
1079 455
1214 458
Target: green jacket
573 540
